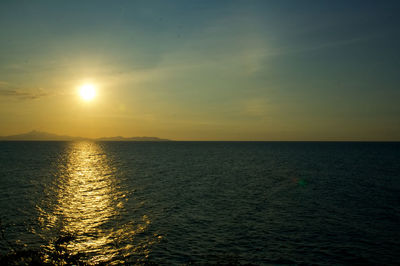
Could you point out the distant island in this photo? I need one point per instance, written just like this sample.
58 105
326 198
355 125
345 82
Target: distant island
45 136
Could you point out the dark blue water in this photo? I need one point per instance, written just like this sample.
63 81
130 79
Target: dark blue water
200 202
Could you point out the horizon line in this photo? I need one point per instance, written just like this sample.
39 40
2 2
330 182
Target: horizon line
173 140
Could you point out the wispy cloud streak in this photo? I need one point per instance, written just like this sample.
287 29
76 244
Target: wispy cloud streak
8 90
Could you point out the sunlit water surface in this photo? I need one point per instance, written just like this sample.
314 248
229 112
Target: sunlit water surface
192 202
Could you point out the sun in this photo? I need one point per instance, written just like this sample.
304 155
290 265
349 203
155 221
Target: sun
87 92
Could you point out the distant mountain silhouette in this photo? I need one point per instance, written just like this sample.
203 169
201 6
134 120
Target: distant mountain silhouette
45 136
119 138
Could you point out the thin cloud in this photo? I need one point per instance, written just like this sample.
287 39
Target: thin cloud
7 90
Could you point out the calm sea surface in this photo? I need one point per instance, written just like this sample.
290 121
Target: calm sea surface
200 202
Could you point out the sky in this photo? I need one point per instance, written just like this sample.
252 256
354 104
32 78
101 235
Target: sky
202 70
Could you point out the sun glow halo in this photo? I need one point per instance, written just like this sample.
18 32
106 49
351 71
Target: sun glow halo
87 92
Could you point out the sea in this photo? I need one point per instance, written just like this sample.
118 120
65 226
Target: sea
199 203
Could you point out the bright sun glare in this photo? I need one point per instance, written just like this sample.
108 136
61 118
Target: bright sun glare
87 92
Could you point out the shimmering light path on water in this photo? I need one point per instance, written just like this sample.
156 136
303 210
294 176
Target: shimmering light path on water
199 202
88 196
79 212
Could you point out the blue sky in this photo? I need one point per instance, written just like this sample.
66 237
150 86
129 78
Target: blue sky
202 70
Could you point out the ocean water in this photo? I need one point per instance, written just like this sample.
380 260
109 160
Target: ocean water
176 203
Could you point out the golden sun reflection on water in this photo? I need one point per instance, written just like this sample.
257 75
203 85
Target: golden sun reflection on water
84 221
